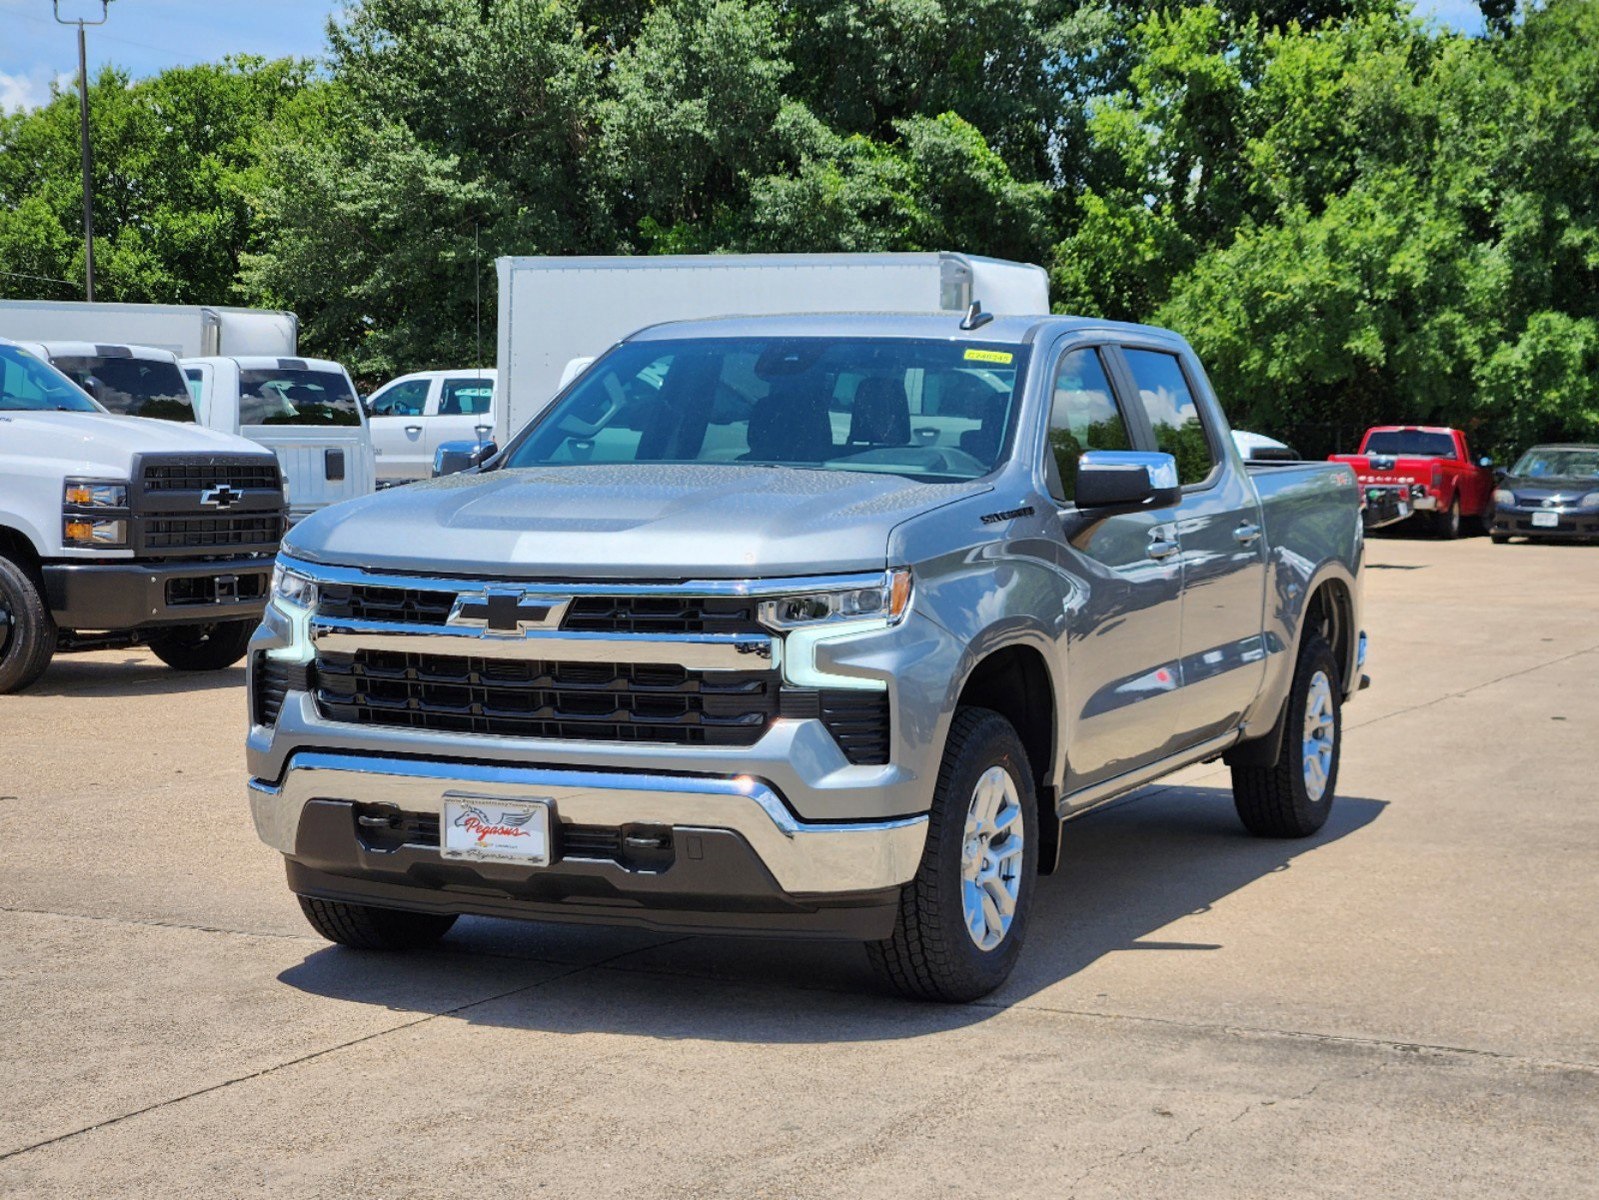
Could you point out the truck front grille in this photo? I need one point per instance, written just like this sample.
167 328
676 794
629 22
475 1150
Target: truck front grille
272 681
563 700
194 476
211 533
587 614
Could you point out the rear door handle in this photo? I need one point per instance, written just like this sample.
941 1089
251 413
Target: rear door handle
413 429
1246 533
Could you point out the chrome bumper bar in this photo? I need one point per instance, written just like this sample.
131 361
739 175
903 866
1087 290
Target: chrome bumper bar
805 857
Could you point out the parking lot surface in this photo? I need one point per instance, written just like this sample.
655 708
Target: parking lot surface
1405 1004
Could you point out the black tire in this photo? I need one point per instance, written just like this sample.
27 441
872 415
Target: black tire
1276 801
1499 539
203 647
1485 519
27 632
1447 523
931 955
362 927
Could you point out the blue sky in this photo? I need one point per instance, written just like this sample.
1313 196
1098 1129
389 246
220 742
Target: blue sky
145 36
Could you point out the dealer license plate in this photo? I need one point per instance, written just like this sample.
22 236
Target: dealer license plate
489 829
1546 520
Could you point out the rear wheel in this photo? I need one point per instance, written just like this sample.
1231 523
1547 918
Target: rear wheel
963 917
203 647
362 927
1293 796
1447 523
27 633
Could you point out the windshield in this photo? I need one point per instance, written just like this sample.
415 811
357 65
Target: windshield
935 411
134 387
1412 443
1545 462
29 385
301 396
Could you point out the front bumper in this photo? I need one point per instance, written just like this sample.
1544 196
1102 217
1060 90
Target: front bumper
131 595
1570 522
728 854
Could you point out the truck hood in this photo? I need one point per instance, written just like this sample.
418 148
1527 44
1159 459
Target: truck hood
94 442
638 521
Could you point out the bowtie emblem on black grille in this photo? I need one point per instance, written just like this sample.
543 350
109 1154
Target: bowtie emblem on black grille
221 497
507 612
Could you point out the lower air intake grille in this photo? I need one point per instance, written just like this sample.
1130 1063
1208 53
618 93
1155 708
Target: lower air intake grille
858 720
618 702
273 681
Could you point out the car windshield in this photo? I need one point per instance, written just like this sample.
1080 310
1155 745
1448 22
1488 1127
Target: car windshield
297 396
134 387
29 385
1411 443
1558 462
936 411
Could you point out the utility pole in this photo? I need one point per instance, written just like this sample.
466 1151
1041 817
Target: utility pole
83 135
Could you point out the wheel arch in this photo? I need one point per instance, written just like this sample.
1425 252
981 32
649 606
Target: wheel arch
1014 680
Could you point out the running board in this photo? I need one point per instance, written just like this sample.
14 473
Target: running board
1087 798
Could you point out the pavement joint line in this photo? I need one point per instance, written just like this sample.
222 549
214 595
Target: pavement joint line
1399 712
311 1057
152 923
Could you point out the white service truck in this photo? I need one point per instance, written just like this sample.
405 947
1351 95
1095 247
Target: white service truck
186 330
305 410
413 415
117 530
555 310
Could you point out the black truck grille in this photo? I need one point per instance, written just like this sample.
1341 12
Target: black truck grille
206 504
586 614
200 476
858 720
586 701
211 533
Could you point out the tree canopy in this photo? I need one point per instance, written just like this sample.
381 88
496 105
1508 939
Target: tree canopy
1354 215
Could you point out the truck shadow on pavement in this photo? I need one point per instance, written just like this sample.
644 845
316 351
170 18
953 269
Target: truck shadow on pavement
130 673
1127 871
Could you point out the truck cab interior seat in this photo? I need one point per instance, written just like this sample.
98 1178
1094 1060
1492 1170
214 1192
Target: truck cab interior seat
881 415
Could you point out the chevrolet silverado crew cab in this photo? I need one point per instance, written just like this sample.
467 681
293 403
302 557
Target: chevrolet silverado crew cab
116 530
1430 467
815 625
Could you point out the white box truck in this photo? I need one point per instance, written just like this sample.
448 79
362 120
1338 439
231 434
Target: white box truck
554 310
187 330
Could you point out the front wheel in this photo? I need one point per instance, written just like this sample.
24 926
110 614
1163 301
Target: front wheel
1293 796
27 634
963 917
203 647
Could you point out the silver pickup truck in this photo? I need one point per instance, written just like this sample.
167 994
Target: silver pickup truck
821 626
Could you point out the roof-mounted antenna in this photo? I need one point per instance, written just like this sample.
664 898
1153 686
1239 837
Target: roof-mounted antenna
975 317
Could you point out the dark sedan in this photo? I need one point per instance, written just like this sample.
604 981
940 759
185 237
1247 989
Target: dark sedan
1551 492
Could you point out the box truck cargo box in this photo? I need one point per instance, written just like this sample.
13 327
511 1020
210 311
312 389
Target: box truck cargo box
187 330
554 310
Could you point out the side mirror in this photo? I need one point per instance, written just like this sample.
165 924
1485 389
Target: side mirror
1485 463
1113 481
451 458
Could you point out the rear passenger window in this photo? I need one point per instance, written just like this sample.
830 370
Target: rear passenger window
1179 431
1083 416
465 397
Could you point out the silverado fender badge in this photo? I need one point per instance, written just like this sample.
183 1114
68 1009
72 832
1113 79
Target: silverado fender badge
1009 514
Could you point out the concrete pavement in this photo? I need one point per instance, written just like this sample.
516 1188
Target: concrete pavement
1407 1004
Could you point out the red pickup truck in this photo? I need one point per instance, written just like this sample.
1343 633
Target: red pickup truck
1433 467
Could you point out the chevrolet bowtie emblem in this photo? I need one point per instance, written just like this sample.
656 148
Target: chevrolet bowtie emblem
507 612
221 497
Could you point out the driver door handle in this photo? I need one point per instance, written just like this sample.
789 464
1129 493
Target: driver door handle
413 429
1160 545
1246 533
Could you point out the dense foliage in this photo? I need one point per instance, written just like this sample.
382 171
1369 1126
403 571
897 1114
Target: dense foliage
1354 216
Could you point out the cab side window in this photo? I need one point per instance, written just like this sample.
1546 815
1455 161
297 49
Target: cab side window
1179 430
1082 416
465 397
401 399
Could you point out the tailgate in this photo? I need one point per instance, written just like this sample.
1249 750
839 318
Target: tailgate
323 466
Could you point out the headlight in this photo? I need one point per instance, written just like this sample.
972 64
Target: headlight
94 493
886 598
89 531
291 588
1504 496
1591 500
